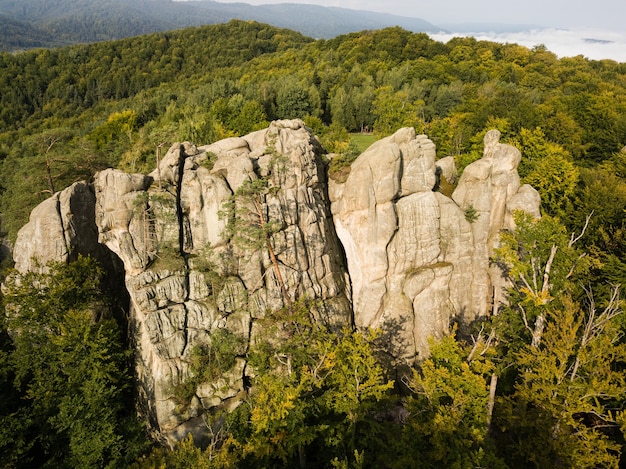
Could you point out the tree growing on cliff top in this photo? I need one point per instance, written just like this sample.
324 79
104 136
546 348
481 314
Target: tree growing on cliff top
248 224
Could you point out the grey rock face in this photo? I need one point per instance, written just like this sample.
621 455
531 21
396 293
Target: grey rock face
415 260
491 187
185 274
60 228
187 278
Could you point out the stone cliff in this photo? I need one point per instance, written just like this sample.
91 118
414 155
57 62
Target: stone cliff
416 258
218 235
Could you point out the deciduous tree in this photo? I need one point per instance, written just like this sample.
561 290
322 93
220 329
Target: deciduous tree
70 369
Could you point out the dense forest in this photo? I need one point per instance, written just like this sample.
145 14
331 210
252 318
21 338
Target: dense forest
25 24
540 385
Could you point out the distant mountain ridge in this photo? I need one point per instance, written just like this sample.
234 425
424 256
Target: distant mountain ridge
31 23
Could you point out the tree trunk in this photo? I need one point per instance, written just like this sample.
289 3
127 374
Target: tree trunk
272 254
492 397
49 175
538 331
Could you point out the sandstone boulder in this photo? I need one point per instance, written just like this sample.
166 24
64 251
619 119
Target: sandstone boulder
416 258
60 228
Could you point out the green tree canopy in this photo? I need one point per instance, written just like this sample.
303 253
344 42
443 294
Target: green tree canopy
70 369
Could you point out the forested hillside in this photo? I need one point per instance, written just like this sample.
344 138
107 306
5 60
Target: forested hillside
113 103
553 360
25 24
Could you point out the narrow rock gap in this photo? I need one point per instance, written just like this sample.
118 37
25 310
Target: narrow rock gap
399 194
60 215
185 330
179 207
330 232
181 243
245 379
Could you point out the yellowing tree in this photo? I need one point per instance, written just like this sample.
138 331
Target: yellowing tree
563 412
448 413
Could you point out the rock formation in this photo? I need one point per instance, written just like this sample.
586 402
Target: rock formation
393 254
416 258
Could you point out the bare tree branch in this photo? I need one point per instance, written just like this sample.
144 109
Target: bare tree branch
595 323
573 239
546 273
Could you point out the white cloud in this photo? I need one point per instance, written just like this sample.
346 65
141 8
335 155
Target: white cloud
592 43
602 19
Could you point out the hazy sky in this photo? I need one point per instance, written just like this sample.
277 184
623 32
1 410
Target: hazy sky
609 14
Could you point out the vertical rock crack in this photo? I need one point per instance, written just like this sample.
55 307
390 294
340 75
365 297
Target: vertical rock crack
181 242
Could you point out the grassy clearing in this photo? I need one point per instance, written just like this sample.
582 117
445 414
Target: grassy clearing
363 141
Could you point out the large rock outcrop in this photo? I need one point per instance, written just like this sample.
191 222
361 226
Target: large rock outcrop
416 258
186 276
384 250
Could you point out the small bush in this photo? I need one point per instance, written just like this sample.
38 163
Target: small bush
471 215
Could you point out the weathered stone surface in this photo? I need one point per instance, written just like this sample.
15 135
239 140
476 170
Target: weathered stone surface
447 167
60 228
415 260
122 217
178 302
185 277
491 186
